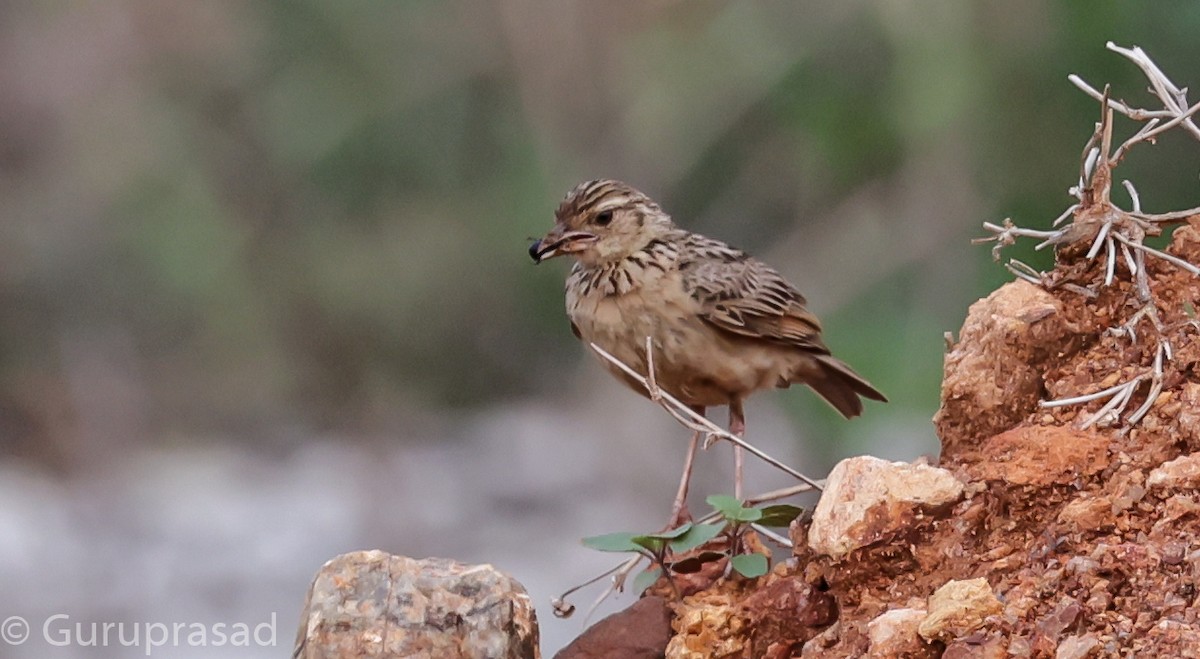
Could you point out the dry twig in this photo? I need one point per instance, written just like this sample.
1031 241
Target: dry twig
1116 234
688 418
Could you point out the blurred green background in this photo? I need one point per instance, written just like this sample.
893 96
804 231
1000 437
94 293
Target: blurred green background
253 224
234 215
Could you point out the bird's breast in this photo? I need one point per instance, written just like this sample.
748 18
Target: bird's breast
620 323
693 361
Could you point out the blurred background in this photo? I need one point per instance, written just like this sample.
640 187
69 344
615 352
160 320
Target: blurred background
265 296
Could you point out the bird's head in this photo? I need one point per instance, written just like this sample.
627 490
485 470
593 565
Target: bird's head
602 221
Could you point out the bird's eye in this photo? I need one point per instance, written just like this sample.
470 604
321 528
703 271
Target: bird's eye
604 219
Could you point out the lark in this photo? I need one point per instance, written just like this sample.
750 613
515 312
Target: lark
721 324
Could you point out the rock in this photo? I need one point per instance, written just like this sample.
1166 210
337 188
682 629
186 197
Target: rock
1187 416
1170 638
1127 488
867 499
1041 456
818 646
371 603
1077 647
894 634
977 646
958 608
1182 472
711 625
641 631
1052 625
990 380
1185 241
1088 513
785 613
1174 509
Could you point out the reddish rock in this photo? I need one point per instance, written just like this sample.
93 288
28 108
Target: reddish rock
1041 456
1051 626
1078 647
1088 513
1180 473
977 646
990 381
784 614
641 631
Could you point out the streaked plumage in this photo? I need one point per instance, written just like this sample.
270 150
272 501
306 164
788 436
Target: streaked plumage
723 324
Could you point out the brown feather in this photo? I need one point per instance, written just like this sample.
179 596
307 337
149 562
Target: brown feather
740 294
838 384
723 323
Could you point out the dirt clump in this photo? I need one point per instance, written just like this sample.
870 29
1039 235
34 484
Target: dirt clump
1077 531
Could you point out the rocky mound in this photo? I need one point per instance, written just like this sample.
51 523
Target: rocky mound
1034 536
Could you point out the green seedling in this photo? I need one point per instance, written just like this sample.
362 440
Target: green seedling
659 548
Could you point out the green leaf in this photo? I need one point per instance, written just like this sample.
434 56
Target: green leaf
1189 310
651 542
732 509
750 565
646 578
655 542
779 514
672 533
622 541
696 536
724 503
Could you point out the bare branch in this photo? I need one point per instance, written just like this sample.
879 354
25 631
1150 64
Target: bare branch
1173 260
1065 214
1120 234
1133 195
1062 402
1137 114
696 422
1113 408
775 537
1172 97
1110 265
1175 216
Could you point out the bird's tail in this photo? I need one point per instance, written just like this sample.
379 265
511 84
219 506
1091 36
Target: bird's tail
837 383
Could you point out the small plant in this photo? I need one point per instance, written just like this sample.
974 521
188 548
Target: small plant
731 519
737 517
657 548
665 550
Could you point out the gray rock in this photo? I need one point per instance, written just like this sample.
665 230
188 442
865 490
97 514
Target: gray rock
371 603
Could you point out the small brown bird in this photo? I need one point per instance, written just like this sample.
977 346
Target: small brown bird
722 323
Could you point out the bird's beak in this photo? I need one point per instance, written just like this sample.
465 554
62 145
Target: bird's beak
559 242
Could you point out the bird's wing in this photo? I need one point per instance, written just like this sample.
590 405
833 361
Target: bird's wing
742 295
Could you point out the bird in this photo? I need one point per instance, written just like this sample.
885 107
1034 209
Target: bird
722 324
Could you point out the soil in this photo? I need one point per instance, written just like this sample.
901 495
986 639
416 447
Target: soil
1091 544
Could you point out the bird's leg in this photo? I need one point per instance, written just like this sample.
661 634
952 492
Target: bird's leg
737 427
679 511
